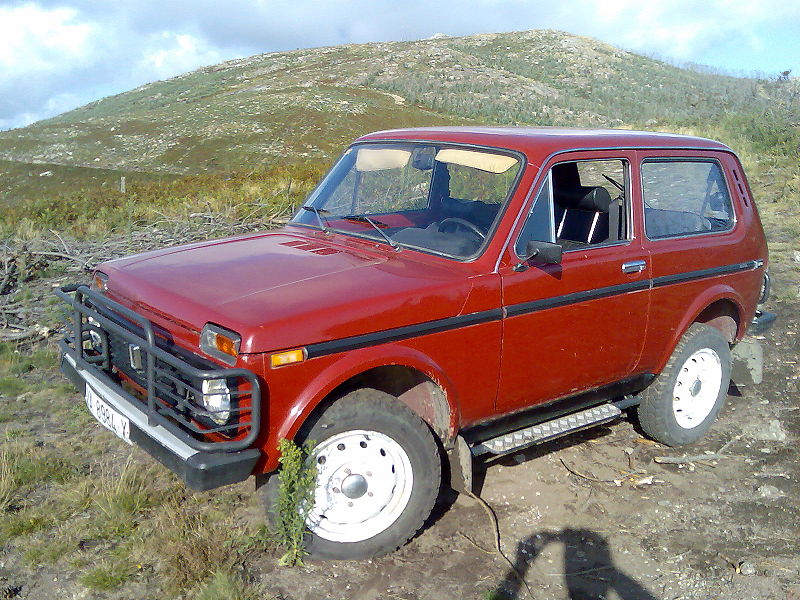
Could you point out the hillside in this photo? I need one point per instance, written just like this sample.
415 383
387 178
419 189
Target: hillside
262 129
309 103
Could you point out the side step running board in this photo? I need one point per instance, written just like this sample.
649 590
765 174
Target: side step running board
536 434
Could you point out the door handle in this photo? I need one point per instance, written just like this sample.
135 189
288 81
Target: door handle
634 266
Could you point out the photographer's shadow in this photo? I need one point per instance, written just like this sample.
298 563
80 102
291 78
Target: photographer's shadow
589 570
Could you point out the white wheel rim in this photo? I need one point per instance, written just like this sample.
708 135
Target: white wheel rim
364 482
697 388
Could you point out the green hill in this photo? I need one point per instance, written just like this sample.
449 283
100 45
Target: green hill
251 114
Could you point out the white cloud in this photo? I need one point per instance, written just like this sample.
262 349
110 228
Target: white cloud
34 38
683 29
168 54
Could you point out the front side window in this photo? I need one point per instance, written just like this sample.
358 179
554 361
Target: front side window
432 197
580 204
684 197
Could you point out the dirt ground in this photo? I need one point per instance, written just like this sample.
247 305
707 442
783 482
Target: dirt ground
592 516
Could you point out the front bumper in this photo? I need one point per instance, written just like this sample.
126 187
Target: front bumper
199 470
164 416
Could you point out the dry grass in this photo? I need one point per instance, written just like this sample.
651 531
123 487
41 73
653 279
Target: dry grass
189 544
7 480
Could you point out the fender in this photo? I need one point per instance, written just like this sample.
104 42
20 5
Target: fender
356 362
719 291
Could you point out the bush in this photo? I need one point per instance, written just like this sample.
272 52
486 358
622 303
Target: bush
297 478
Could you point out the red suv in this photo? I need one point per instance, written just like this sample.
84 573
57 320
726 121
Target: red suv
443 294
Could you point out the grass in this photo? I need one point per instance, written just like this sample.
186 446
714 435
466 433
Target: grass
69 491
24 466
224 585
255 196
106 576
190 544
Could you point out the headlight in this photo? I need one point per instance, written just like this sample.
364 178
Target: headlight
220 343
99 281
95 341
217 400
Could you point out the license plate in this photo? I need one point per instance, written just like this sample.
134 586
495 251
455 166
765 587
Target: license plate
107 416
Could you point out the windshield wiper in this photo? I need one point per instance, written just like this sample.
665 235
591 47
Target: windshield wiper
375 225
318 212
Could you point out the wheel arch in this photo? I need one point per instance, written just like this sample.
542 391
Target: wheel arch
409 375
720 307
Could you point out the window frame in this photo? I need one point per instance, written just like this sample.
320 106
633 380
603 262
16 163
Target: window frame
686 159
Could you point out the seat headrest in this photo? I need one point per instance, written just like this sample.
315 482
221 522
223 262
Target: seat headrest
595 199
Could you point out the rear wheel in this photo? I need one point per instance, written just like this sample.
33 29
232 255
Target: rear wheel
378 476
686 397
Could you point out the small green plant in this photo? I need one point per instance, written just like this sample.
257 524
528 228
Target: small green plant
297 479
106 576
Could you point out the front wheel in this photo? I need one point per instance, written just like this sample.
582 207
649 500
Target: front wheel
686 397
378 476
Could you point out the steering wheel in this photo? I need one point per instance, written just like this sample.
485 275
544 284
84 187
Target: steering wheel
462 223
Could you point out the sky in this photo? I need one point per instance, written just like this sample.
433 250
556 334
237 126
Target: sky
56 55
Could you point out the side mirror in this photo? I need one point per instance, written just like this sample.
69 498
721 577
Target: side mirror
544 253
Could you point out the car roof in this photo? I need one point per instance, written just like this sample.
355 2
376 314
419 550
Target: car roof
544 141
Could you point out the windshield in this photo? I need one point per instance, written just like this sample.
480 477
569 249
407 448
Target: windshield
431 197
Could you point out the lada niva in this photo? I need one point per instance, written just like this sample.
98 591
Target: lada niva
443 294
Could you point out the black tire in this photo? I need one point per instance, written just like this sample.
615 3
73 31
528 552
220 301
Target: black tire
380 413
665 410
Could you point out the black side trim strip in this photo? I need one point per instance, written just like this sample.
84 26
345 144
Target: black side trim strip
574 298
702 273
402 333
409 331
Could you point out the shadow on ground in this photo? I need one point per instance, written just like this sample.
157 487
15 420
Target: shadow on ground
589 571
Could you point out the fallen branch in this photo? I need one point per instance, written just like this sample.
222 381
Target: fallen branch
474 543
493 518
728 443
582 476
37 331
683 460
83 262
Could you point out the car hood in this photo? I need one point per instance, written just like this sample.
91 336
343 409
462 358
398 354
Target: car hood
283 289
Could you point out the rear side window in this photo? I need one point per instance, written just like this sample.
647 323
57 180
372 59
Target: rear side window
685 197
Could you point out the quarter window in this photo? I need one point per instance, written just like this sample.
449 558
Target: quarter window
684 197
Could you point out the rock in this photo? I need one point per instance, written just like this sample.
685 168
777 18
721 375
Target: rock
747 568
773 432
770 492
797 256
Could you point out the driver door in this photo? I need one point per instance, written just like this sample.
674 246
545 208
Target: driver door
580 324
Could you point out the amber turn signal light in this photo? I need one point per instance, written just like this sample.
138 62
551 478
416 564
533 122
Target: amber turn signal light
220 343
100 281
289 357
225 344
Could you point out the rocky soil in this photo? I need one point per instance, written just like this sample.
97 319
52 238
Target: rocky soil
596 515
